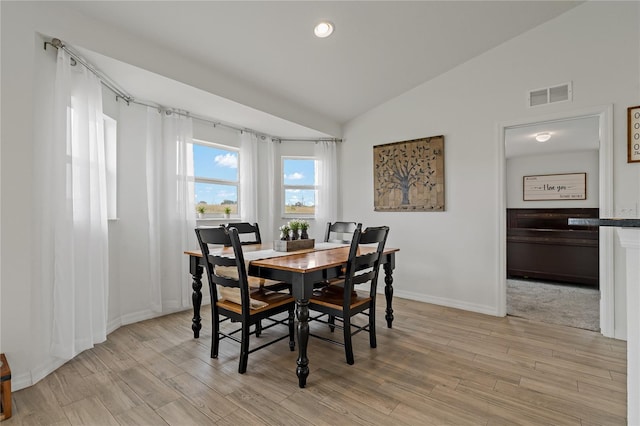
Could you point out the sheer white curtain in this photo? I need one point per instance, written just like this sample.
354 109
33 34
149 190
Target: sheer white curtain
327 176
171 208
154 169
269 231
249 177
74 260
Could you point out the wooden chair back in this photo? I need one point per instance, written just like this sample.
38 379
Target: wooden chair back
363 268
249 233
336 229
223 236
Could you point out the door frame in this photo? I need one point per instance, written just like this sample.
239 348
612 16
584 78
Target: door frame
604 113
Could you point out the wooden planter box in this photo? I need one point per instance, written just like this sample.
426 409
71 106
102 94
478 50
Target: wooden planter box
280 245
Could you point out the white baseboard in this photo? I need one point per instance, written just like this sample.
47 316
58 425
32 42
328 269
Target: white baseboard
133 317
443 301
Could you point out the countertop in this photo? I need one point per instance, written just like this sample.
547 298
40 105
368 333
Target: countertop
620 222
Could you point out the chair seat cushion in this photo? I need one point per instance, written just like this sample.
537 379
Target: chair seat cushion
254 282
260 299
233 295
333 295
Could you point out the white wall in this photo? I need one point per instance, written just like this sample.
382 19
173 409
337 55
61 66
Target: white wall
17 205
452 258
574 162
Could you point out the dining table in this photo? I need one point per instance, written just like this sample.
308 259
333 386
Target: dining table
301 269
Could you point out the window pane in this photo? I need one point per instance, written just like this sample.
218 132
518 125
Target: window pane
215 163
300 201
215 197
299 172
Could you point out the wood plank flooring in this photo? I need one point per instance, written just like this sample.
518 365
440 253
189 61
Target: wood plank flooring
437 366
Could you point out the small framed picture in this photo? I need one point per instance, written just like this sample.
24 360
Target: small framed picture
633 129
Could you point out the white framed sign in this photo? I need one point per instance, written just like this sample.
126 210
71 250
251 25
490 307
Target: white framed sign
566 186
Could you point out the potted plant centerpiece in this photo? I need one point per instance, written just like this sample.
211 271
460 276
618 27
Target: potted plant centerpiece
294 225
304 227
294 241
227 212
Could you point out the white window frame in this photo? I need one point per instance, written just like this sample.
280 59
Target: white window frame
197 179
284 187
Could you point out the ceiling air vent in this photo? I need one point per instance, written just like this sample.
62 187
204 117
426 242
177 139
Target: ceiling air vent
550 95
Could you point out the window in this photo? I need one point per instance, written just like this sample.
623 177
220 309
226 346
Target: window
216 178
299 186
109 133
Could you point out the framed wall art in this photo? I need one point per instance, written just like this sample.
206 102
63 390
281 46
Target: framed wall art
409 175
565 186
633 130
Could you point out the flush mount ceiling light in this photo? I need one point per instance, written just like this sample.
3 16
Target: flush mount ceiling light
323 29
543 137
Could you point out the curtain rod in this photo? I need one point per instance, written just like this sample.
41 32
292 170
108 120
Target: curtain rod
218 123
122 94
104 79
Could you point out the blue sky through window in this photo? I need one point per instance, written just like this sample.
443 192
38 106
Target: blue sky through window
299 172
215 163
213 193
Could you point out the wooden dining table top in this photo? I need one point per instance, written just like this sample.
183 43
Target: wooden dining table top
304 261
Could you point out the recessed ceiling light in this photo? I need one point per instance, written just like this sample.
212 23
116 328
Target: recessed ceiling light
323 29
543 137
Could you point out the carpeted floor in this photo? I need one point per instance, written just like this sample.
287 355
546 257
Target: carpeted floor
554 303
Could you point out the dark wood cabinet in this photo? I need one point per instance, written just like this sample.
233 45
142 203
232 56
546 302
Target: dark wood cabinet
542 245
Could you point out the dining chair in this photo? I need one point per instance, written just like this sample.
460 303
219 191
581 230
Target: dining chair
249 233
233 298
336 229
340 300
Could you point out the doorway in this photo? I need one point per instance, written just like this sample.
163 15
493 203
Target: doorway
602 116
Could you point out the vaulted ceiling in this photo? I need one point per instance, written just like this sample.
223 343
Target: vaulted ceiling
379 49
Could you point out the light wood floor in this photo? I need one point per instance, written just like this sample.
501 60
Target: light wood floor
436 366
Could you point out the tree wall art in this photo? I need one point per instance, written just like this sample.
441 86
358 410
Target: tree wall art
409 175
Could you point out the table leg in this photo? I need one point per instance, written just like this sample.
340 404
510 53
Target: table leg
302 311
196 297
388 292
